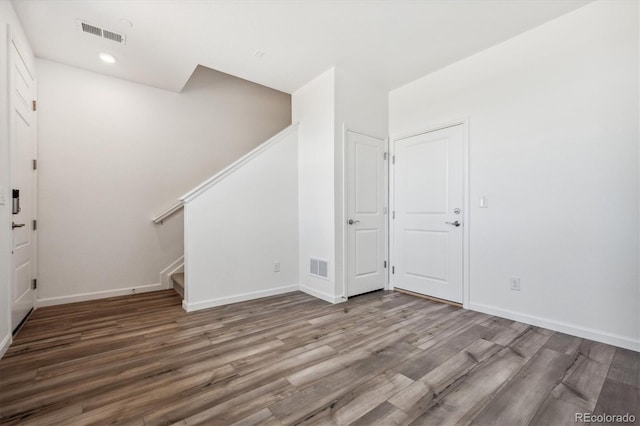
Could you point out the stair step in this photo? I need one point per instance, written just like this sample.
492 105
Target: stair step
178 278
178 282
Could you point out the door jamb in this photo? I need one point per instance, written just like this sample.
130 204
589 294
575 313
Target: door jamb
466 232
345 196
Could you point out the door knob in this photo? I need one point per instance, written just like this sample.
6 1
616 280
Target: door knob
351 221
456 223
16 225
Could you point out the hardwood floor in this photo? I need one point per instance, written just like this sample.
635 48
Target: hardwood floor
383 358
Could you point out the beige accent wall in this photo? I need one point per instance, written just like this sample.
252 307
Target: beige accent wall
113 154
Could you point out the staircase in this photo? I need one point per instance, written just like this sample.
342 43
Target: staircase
264 180
178 283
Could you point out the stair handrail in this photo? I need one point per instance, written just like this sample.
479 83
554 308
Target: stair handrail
177 206
189 196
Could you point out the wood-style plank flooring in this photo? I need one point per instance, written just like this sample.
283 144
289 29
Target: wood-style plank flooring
383 358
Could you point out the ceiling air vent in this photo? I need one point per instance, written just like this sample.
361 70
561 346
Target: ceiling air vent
91 29
118 38
85 27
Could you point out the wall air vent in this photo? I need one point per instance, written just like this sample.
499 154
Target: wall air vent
318 267
88 28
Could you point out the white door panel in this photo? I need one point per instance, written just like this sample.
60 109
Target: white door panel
22 179
420 245
426 174
365 178
428 191
366 255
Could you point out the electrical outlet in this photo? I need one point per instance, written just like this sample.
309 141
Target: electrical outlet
276 267
515 283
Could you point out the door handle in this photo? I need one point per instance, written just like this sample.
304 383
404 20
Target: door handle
16 225
351 221
456 223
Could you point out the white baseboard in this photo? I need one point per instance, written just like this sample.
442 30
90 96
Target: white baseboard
4 345
210 303
563 327
165 274
320 295
82 297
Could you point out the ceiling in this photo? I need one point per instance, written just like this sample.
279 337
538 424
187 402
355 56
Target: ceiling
388 42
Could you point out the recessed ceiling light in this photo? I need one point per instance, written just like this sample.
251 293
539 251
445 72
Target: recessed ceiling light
107 58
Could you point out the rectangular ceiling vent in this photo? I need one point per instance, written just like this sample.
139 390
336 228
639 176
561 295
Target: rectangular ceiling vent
88 28
118 38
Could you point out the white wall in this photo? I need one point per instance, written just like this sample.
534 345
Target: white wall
241 226
333 101
554 146
8 21
313 106
362 106
113 154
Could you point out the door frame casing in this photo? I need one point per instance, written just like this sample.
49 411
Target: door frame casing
345 200
464 122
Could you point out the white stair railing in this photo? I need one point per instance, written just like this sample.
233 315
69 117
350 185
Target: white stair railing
222 174
168 212
227 171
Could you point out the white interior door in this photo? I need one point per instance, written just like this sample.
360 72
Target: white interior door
365 227
428 204
22 180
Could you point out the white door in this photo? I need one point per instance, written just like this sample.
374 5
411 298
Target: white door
428 204
22 180
365 227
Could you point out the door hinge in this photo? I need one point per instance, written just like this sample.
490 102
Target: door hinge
34 283
35 164
385 263
393 214
393 269
385 155
34 105
393 159
34 225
